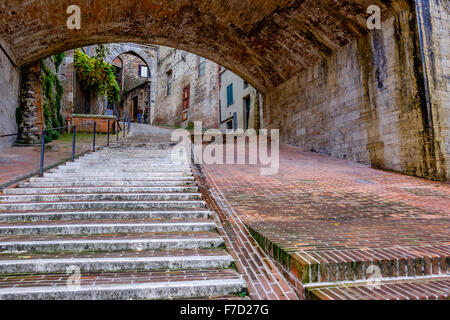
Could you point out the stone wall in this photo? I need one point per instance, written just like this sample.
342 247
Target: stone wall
204 89
365 103
66 75
142 93
130 72
434 18
9 92
31 105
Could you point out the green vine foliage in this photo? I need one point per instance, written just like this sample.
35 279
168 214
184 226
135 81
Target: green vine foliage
97 75
58 59
52 92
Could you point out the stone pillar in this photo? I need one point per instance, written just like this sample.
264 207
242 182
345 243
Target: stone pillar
31 104
66 75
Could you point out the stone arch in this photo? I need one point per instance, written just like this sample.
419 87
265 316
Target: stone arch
117 49
264 42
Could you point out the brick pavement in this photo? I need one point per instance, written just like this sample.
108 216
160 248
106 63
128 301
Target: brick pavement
325 220
17 162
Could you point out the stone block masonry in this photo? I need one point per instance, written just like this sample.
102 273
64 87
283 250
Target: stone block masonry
367 101
9 92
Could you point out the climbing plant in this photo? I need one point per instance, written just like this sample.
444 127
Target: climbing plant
58 59
97 75
52 91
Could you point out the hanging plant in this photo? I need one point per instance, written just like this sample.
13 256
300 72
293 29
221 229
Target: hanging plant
97 75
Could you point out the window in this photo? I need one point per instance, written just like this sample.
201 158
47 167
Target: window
245 84
186 94
230 125
143 71
201 67
169 82
230 99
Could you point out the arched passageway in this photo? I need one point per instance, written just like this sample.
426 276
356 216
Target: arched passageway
330 85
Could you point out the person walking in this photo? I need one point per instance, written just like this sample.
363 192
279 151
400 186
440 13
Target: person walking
140 115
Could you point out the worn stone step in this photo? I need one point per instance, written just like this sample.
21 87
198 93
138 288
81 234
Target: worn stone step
119 174
99 197
102 228
94 215
106 183
109 264
110 242
431 288
102 180
100 205
125 287
40 191
125 167
136 171
328 266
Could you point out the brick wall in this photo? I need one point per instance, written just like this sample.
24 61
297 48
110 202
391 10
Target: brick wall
85 123
364 103
9 92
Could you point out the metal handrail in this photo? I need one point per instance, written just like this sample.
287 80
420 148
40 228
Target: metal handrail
126 123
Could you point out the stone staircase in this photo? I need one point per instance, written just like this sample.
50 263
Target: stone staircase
122 223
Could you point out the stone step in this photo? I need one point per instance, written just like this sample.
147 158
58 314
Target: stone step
110 242
118 174
431 288
40 191
329 266
113 183
5 199
100 205
108 264
94 215
109 228
125 286
101 180
125 166
137 158
138 170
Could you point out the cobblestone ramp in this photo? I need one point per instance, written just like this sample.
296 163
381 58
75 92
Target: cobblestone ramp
128 218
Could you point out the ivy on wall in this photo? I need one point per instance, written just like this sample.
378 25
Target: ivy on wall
52 92
97 75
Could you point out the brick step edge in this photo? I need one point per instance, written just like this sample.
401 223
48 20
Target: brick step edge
304 267
431 288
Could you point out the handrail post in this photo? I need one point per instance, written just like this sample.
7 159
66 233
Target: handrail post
93 140
73 142
107 141
41 169
117 129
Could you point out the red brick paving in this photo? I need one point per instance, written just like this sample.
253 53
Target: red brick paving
264 281
17 162
323 211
